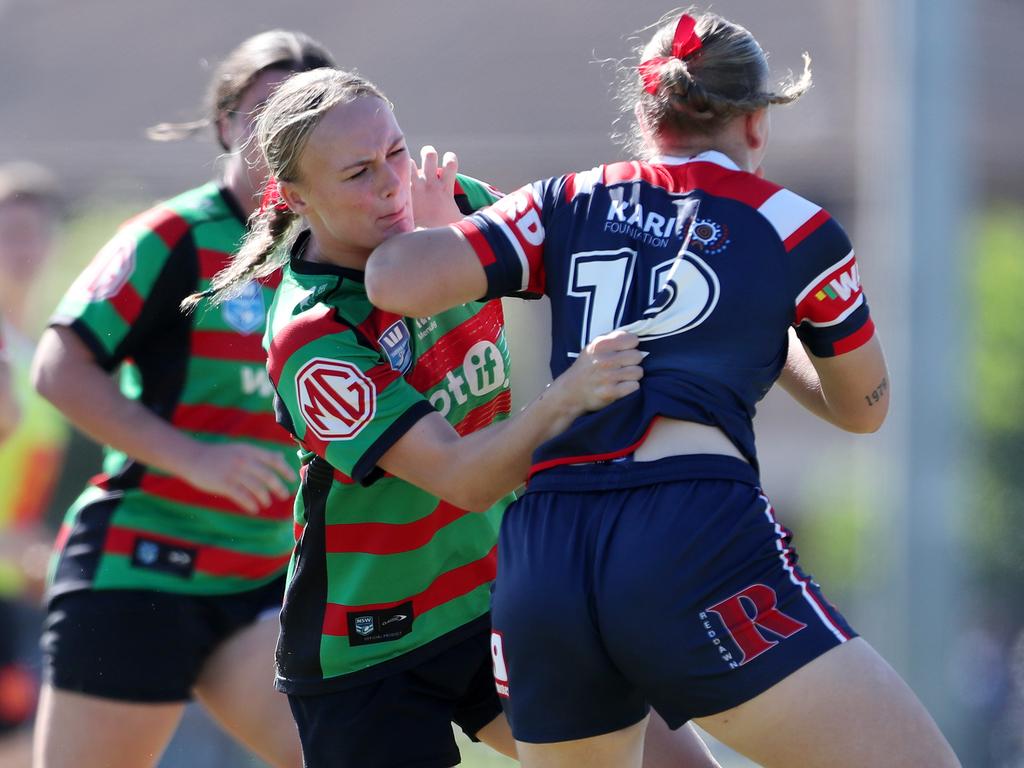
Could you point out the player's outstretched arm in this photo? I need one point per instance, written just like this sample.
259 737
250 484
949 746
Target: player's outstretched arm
474 471
850 390
65 372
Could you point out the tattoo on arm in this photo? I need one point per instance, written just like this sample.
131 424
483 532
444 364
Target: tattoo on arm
878 393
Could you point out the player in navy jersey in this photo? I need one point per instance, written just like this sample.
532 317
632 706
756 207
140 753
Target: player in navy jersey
169 570
384 536
644 567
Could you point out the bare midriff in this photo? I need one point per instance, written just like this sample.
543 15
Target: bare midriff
672 437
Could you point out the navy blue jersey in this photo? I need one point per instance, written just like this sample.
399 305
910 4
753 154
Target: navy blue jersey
710 265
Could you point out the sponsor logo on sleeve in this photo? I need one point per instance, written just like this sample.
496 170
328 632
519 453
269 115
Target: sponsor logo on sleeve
336 399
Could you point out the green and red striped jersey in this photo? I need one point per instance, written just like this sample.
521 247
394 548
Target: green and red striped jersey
384 574
134 526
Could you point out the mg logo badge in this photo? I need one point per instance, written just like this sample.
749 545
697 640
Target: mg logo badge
336 398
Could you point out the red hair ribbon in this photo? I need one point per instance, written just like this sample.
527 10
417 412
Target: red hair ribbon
272 197
684 42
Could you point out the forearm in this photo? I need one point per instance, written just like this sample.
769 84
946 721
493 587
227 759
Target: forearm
475 470
495 461
91 400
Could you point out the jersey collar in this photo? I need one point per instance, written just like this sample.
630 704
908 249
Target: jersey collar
711 156
303 266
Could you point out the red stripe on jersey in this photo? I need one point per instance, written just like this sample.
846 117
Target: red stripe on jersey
540 467
447 586
390 538
448 352
858 338
309 326
127 303
214 561
484 414
228 345
178 491
272 280
62 537
376 323
476 241
211 262
230 421
570 187
805 229
297 530
617 173
164 223
721 182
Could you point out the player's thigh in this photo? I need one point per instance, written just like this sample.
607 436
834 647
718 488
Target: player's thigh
623 748
236 686
847 707
75 730
498 736
681 748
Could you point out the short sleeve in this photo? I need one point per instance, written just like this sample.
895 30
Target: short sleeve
132 287
508 239
831 313
344 400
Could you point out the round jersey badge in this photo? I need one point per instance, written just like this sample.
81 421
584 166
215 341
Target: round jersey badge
109 270
336 399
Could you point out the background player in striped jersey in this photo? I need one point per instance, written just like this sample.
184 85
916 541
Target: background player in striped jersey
385 635
169 562
643 528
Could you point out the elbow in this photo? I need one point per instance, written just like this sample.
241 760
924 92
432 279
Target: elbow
384 286
864 422
42 381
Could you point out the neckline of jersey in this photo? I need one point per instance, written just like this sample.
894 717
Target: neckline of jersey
302 266
710 156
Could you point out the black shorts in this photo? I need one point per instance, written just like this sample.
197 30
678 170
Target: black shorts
142 645
404 719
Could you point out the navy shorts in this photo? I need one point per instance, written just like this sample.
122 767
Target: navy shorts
403 719
142 645
680 592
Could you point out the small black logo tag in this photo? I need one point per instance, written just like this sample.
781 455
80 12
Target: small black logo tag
166 558
365 627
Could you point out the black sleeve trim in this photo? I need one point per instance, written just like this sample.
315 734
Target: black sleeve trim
362 472
106 361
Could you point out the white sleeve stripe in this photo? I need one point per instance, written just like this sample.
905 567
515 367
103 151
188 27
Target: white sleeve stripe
787 212
511 237
849 311
822 276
